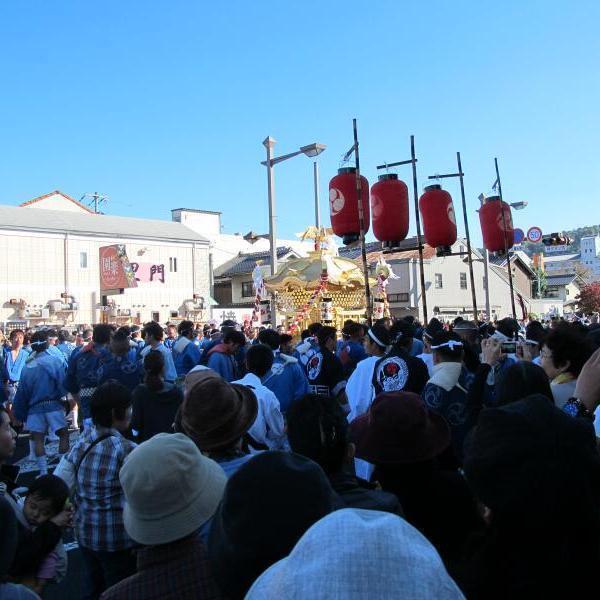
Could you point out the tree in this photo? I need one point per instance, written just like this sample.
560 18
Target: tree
588 299
540 283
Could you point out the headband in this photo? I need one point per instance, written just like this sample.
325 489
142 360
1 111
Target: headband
532 342
449 344
376 339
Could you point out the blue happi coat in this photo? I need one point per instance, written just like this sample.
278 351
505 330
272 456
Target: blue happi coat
15 367
286 380
42 386
125 369
186 355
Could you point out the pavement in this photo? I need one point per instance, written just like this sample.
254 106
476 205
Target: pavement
68 589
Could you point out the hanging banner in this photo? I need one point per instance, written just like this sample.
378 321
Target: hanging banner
115 270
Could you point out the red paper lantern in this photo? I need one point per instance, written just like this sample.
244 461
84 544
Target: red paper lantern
439 223
497 230
389 205
343 205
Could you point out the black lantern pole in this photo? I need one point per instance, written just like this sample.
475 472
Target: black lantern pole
361 222
413 161
498 184
469 256
460 176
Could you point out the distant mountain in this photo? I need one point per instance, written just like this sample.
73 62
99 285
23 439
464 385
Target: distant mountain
574 234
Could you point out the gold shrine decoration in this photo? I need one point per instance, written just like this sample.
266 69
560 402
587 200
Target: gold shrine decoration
343 274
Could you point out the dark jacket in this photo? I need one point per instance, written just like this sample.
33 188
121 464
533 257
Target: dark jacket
399 371
154 411
435 500
358 493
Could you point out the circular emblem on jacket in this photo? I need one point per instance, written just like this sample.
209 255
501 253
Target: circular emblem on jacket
392 374
313 367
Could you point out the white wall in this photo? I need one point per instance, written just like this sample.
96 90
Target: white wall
450 296
32 267
207 224
57 202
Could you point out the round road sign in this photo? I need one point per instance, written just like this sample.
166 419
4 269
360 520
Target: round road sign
519 236
534 234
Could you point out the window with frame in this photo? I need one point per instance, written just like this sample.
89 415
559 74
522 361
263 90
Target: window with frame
463 281
83 262
173 264
439 283
402 297
247 289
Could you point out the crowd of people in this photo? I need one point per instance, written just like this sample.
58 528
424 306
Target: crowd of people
444 460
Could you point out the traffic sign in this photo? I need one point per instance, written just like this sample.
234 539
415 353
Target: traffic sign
534 235
519 236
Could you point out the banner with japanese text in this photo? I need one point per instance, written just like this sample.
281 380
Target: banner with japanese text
115 269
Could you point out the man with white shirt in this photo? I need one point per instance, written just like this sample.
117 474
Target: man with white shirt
153 335
268 430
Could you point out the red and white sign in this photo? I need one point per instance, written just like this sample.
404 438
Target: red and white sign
534 235
115 270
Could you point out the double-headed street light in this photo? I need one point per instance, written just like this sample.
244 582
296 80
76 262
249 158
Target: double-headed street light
311 151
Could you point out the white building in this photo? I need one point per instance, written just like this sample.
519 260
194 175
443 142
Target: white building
589 247
447 282
49 265
226 246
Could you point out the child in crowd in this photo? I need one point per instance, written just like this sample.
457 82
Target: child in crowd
41 516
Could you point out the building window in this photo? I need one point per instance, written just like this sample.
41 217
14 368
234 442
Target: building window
403 297
173 264
83 260
439 284
463 281
247 289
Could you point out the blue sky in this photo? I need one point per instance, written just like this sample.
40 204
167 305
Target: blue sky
165 104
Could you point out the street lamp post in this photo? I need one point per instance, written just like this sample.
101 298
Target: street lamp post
311 151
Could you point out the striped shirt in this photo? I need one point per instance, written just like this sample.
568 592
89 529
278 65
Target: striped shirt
99 498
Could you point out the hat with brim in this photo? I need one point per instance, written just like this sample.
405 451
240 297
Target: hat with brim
399 429
215 413
170 489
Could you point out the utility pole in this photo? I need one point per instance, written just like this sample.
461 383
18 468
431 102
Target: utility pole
96 200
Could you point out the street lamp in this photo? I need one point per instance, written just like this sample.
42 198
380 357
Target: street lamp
311 151
518 205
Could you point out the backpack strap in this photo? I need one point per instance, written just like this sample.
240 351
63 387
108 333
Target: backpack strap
85 453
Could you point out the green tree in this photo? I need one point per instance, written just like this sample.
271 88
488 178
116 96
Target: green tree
540 283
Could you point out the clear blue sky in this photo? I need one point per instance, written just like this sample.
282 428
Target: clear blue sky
165 104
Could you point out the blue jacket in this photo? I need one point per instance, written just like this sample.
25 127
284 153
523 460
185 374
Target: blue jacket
14 369
350 354
84 363
41 387
55 351
125 369
66 348
169 343
185 356
222 363
286 380
417 347
170 373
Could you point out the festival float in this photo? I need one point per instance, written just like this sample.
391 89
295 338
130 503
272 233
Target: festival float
321 287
